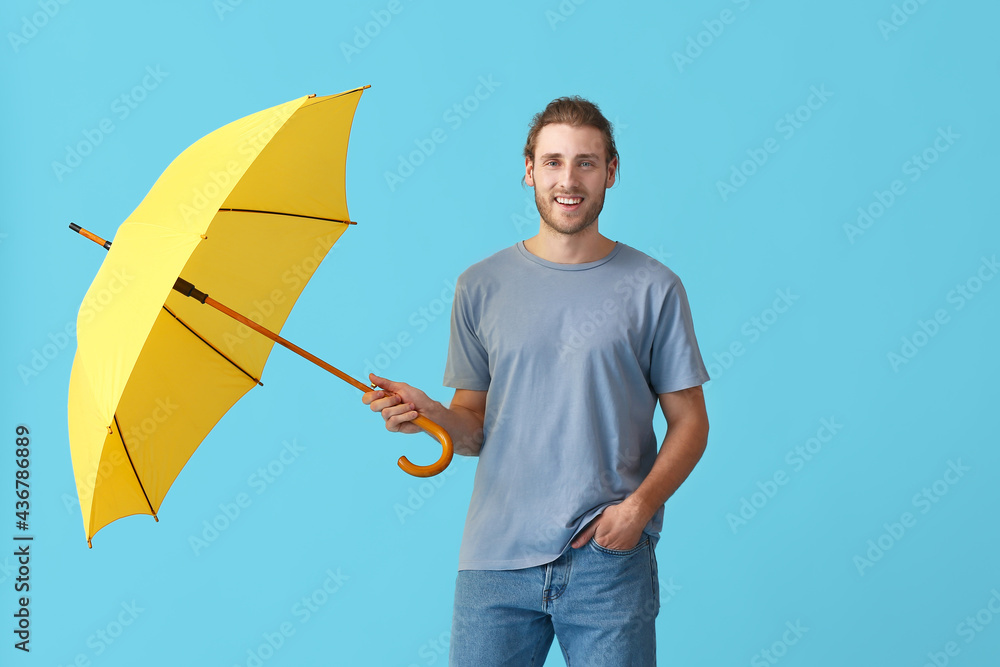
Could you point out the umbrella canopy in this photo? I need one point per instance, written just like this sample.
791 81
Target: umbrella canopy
249 211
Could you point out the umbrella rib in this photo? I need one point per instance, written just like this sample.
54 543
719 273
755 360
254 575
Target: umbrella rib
292 215
134 472
346 92
221 354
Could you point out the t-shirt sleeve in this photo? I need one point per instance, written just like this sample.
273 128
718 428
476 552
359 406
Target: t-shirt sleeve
468 364
676 361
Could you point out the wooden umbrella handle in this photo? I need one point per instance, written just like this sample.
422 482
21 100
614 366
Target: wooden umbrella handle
447 450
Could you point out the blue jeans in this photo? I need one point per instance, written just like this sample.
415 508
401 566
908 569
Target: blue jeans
600 603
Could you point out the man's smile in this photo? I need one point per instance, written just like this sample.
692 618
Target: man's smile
569 203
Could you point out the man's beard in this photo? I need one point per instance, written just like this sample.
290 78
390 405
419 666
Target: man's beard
555 219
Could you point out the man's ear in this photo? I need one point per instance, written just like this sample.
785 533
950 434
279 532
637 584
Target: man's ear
529 170
612 172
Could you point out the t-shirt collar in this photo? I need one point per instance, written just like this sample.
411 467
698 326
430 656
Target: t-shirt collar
567 267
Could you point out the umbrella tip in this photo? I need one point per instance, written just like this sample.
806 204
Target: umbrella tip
156 519
89 545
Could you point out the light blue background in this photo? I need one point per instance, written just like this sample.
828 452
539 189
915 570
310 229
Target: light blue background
728 593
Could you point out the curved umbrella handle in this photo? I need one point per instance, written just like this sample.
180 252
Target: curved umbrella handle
447 450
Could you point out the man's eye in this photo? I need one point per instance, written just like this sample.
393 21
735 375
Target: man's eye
586 164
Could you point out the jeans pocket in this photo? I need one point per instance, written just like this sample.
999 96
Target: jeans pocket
643 543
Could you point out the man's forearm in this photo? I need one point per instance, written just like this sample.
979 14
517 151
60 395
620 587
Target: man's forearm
681 450
465 427
622 524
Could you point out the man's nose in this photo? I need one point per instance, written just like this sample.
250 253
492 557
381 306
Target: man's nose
569 176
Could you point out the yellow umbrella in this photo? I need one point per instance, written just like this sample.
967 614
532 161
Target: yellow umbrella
247 213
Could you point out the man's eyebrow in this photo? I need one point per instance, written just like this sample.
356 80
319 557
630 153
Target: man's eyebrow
588 156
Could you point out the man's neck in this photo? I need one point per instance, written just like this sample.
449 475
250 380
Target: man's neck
586 246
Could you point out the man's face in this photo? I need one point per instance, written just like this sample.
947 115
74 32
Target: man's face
570 174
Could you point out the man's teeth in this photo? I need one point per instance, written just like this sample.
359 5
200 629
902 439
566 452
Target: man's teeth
569 201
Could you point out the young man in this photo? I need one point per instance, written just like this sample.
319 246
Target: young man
560 349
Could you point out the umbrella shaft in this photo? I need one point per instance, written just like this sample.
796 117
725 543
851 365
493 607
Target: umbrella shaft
90 235
288 344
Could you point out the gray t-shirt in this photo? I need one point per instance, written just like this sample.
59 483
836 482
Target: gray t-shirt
573 357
